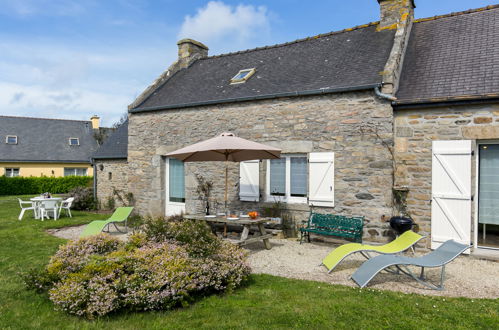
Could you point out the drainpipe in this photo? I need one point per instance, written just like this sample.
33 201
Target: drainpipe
383 95
95 180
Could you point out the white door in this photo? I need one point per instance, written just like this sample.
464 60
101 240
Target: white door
175 187
451 192
321 179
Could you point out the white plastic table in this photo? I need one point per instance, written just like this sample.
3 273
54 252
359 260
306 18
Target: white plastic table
38 201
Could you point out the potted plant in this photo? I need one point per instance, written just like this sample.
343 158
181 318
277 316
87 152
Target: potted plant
204 191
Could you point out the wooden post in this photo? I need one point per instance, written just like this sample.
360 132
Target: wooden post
263 232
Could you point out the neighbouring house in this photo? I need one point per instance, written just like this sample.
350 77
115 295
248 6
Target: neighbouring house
48 147
400 109
110 168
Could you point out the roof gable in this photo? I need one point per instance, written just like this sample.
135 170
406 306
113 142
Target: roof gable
46 140
348 58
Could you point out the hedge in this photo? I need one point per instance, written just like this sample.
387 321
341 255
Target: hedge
38 185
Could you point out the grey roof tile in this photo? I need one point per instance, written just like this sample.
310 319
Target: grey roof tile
116 145
452 56
348 58
46 140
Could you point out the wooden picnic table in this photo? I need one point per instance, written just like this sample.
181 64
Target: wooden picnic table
245 223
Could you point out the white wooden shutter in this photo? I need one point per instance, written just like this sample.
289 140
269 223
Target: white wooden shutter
321 179
451 192
249 177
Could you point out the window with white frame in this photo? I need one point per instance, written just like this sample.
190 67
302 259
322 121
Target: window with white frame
287 178
11 139
242 76
78 171
74 141
11 172
294 178
176 181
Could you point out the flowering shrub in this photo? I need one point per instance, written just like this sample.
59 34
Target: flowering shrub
94 276
195 236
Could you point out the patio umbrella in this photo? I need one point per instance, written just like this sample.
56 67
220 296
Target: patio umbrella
225 147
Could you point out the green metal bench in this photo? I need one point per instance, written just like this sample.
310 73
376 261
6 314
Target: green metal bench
333 225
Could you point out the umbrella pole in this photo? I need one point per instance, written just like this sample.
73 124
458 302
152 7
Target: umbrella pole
226 183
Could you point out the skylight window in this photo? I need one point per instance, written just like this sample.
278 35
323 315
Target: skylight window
11 139
74 141
242 76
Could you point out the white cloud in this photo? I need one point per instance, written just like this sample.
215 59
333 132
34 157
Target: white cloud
66 103
217 21
60 80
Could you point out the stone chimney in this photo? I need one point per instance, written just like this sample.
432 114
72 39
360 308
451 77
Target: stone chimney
190 50
95 121
394 12
396 15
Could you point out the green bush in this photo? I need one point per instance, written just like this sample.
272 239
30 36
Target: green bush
98 275
38 185
83 199
196 236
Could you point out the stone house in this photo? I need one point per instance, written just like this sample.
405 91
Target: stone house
446 119
110 168
368 110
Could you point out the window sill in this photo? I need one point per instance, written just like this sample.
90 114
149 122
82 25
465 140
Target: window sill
290 200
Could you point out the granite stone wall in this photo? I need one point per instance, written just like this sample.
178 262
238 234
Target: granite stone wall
363 166
414 132
111 175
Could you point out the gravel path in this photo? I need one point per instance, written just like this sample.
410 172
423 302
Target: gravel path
465 276
74 232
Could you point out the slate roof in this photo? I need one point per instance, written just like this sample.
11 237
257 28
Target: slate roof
116 145
453 56
345 59
46 140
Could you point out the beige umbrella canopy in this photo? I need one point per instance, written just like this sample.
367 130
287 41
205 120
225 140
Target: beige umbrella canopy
225 147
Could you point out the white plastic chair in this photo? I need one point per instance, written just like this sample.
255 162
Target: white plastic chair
24 209
66 205
49 206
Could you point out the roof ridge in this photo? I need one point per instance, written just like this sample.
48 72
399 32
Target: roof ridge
457 13
294 41
27 117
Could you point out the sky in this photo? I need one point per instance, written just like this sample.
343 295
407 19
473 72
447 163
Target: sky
73 59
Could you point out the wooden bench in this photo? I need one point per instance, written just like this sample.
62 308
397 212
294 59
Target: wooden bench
333 225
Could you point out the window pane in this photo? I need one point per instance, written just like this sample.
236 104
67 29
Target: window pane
278 177
488 189
69 171
81 171
11 139
299 176
11 172
177 180
73 142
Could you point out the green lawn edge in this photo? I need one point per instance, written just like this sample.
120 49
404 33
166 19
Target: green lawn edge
266 301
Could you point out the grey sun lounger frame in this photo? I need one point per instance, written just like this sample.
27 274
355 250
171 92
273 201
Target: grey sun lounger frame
444 254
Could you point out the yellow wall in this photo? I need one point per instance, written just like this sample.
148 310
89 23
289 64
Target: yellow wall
46 169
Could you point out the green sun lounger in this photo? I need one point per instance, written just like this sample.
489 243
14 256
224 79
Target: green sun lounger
441 256
400 244
96 227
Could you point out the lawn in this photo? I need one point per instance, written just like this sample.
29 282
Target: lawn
265 302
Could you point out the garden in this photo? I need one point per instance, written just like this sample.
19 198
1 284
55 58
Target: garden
225 294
